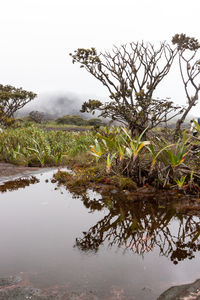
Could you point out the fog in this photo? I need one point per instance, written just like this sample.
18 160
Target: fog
37 37
56 105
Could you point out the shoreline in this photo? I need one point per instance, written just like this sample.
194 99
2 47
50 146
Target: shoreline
9 171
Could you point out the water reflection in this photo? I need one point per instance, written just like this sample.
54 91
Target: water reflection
13 185
40 225
140 227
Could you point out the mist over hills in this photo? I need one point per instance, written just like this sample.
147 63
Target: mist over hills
56 105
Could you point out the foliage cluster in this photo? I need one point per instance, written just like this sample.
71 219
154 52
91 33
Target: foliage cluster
131 74
120 159
12 99
156 161
39 118
36 116
33 147
78 121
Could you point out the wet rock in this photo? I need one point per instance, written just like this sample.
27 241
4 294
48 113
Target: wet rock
7 170
22 293
81 296
8 281
185 291
126 192
113 192
19 288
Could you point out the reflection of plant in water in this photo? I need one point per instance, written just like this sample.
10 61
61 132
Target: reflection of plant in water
184 243
17 184
139 227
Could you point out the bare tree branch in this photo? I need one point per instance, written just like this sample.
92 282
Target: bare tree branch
131 73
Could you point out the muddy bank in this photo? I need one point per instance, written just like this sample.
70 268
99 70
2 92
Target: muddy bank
19 288
11 172
7 169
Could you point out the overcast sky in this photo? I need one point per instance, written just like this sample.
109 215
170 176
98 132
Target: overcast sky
37 36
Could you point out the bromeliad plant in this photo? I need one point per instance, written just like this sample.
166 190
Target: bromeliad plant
136 145
109 162
157 162
97 149
168 160
100 149
120 151
180 182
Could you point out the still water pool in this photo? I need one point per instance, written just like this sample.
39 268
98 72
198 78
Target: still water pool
113 249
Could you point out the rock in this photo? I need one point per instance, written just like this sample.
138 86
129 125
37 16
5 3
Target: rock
113 192
8 281
16 288
185 291
21 293
24 293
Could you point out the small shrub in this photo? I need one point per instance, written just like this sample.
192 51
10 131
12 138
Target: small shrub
72 120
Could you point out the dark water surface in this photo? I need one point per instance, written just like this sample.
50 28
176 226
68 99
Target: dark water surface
116 249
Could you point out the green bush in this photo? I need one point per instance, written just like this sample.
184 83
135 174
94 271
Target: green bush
95 122
78 121
72 120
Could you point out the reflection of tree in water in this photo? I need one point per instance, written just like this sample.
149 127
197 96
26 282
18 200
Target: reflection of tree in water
139 227
12 185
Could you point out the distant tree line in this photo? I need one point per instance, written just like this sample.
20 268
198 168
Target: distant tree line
77 120
41 117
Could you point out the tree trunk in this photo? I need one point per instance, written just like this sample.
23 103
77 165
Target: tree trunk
137 131
182 119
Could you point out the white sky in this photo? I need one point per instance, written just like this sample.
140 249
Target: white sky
37 36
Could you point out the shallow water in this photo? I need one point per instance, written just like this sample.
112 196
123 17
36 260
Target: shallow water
116 249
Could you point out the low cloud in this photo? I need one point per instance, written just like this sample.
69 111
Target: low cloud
56 105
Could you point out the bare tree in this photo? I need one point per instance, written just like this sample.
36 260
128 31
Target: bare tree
190 70
12 99
140 228
37 116
131 74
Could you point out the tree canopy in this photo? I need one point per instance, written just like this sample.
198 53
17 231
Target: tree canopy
131 74
11 100
188 48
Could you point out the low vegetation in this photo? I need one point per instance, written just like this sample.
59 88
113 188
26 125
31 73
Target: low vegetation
109 156
78 121
45 121
34 147
128 163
